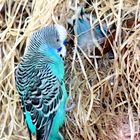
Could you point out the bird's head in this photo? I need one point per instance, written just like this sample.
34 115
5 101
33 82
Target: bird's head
49 38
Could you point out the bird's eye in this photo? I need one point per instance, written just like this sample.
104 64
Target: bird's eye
59 49
57 40
65 42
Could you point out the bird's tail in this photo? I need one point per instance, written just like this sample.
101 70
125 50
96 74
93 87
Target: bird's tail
44 132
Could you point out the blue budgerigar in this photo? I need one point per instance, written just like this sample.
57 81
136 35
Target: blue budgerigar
40 82
87 36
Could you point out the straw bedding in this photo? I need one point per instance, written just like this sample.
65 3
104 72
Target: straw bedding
106 92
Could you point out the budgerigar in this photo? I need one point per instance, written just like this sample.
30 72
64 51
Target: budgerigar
87 36
40 82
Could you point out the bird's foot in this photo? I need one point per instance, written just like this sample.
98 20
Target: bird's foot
72 106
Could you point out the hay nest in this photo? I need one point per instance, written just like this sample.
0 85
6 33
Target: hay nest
106 92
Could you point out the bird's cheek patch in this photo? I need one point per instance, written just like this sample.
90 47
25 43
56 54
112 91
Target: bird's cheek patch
59 49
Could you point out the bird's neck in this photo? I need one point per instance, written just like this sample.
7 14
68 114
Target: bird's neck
40 61
58 69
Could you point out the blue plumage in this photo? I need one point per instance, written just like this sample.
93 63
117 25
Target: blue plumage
88 36
40 82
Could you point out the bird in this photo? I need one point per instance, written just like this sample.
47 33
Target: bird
40 82
87 36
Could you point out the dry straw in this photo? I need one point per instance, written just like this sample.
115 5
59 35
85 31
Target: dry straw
106 92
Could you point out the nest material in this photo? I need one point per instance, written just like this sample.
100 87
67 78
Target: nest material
106 92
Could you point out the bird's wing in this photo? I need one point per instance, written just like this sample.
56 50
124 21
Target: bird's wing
42 99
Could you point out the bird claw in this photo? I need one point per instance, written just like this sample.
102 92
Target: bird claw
72 106
68 109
